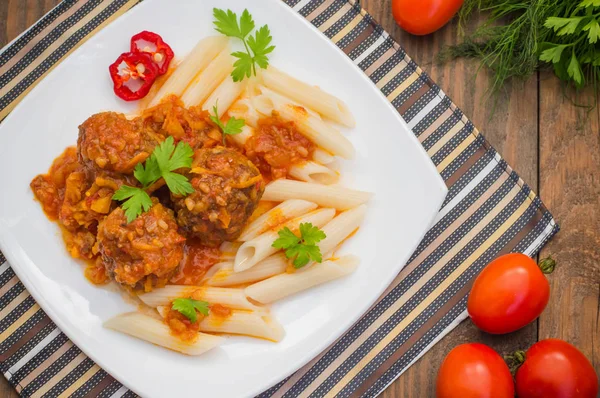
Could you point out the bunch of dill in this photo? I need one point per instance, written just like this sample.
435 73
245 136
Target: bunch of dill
520 36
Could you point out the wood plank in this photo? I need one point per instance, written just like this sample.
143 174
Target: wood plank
570 185
511 129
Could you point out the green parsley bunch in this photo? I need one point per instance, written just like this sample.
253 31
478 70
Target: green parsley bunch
520 36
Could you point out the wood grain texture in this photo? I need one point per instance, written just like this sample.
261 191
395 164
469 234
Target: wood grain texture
570 186
569 182
511 129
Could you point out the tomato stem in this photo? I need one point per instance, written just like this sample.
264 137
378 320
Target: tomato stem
547 265
515 360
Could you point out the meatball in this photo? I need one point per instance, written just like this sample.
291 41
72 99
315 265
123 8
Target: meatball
143 253
109 142
192 126
227 188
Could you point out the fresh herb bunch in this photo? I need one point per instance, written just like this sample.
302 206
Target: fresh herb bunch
165 159
257 46
519 36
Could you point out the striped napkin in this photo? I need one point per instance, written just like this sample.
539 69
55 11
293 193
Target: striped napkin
489 211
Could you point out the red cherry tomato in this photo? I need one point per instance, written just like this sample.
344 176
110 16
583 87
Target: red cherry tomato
474 371
555 369
421 17
508 294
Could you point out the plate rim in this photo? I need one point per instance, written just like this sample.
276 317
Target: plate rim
73 335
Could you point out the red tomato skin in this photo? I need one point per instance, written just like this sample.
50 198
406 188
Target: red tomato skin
508 294
555 369
422 17
474 371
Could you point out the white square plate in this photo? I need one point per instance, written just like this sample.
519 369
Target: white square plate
390 162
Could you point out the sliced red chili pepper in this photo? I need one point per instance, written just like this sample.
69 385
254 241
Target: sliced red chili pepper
133 74
154 45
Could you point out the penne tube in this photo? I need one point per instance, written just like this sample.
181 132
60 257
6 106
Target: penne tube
243 109
247 323
323 195
150 329
261 247
286 284
342 226
242 136
224 96
323 157
206 81
310 96
204 52
222 274
278 215
229 249
315 129
314 173
232 298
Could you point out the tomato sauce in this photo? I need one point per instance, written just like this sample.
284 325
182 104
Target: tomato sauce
276 146
197 260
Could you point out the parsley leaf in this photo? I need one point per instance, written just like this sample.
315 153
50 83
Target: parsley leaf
257 47
553 53
136 200
232 127
593 29
563 26
589 3
301 249
188 307
574 70
147 174
165 159
260 46
178 184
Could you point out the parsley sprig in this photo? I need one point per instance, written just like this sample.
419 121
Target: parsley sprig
518 37
574 45
165 159
188 307
257 46
232 127
301 249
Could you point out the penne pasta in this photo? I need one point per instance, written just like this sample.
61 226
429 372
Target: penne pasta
310 96
206 81
286 284
224 95
232 298
150 329
278 215
323 157
243 136
253 251
314 173
323 195
308 124
222 274
229 249
342 226
243 109
246 323
204 52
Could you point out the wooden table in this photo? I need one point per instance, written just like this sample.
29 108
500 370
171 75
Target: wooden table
553 145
